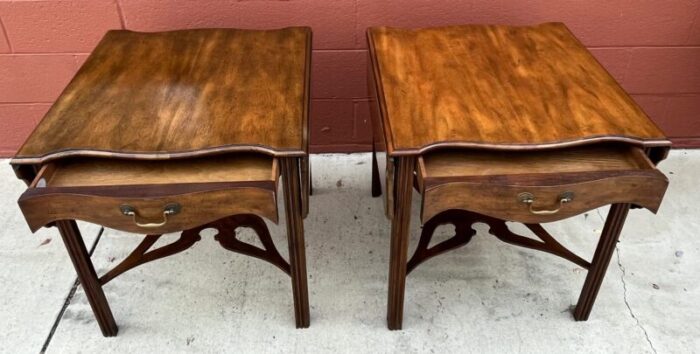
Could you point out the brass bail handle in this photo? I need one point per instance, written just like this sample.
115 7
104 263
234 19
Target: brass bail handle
168 209
529 199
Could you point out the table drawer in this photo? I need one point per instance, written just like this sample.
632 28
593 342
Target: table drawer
152 197
536 187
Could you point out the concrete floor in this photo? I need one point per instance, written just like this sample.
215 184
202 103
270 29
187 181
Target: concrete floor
485 297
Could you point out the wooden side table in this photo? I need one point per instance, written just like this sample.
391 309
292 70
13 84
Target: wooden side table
177 132
501 123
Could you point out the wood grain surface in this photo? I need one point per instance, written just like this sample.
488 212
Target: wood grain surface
207 189
490 183
118 172
182 93
42 206
498 87
467 163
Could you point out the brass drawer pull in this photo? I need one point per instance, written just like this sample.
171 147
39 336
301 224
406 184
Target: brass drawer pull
529 198
169 209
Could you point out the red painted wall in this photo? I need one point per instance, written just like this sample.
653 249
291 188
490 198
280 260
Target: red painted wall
651 47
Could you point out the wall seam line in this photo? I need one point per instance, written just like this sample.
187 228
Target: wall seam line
122 20
7 38
21 54
672 138
670 46
693 23
24 103
356 24
666 94
676 94
628 64
354 119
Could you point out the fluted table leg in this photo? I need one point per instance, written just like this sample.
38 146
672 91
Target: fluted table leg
601 260
87 276
399 241
295 237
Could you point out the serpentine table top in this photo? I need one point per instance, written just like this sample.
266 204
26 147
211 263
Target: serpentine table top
182 94
498 87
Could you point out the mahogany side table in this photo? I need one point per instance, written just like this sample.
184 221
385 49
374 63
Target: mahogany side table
501 123
177 132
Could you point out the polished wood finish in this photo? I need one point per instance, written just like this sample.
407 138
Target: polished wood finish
463 221
41 207
94 189
398 257
499 87
490 112
390 196
306 187
377 136
143 253
601 259
83 172
463 234
490 182
87 276
177 132
226 236
295 238
501 199
594 158
182 94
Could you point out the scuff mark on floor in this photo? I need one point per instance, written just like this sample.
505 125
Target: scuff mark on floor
624 287
599 214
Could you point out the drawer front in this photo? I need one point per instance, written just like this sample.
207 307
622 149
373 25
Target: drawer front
146 209
544 199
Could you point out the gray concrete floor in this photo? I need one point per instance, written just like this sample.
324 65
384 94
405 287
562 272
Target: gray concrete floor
485 297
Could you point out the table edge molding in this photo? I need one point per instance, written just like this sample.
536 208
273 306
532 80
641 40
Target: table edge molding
135 155
644 143
392 150
379 91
